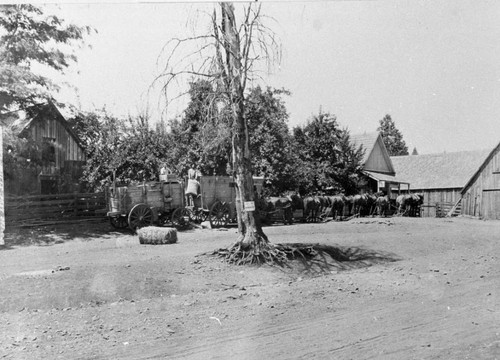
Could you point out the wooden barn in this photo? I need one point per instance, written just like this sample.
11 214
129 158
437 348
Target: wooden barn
377 166
440 177
54 160
481 193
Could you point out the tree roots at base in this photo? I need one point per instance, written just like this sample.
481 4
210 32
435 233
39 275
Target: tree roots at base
265 253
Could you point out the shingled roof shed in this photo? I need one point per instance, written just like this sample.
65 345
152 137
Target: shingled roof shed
481 194
440 177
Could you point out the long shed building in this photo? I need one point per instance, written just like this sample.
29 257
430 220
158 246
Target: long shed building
481 194
440 177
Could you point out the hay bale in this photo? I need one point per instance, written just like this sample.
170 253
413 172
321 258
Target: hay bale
157 235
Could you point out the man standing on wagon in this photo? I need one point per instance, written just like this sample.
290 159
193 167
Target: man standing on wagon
193 186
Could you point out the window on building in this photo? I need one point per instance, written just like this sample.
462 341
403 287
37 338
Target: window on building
49 150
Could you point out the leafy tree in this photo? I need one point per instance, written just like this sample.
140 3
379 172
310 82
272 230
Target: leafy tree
102 136
328 160
28 36
392 137
348 165
87 126
130 151
22 162
271 143
202 135
143 151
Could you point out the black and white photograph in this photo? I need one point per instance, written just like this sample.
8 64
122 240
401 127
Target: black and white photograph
250 180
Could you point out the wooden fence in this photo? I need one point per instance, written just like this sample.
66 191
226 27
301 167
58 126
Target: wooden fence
443 208
37 209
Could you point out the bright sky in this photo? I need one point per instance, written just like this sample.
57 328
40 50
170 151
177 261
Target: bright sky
434 66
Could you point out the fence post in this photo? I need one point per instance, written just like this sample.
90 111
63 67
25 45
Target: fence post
75 204
2 195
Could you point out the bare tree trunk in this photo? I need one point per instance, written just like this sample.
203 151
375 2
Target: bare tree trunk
2 195
251 234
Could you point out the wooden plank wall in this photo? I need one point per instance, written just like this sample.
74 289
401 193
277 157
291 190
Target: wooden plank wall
215 188
437 196
26 210
481 199
161 195
67 148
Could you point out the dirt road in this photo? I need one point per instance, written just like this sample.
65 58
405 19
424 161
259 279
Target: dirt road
421 289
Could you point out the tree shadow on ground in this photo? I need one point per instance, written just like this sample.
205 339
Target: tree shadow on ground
320 259
52 234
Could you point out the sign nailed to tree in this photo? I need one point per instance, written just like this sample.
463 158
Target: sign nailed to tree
249 206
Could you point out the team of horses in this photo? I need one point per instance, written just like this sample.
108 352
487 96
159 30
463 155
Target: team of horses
339 207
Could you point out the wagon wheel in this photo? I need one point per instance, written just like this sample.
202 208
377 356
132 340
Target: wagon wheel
181 218
118 222
219 215
163 218
140 216
199 216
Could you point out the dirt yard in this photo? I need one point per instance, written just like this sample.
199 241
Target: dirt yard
415 289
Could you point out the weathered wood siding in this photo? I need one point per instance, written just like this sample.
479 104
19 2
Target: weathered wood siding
34 209
436 196
482 197
66 146
216 188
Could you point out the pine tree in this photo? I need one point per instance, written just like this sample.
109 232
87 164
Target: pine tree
392 137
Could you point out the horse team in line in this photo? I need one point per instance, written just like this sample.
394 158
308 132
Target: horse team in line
338 207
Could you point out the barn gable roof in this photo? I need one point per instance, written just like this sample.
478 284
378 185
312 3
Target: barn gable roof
21 121
439 171
376 158
480 169
367 140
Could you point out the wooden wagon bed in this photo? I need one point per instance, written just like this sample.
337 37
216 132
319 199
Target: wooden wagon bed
144 204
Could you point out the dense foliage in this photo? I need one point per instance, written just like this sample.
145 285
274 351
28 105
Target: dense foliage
327 159
129 150
271 143
30 39
315 157
202 135
28 36
392 137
